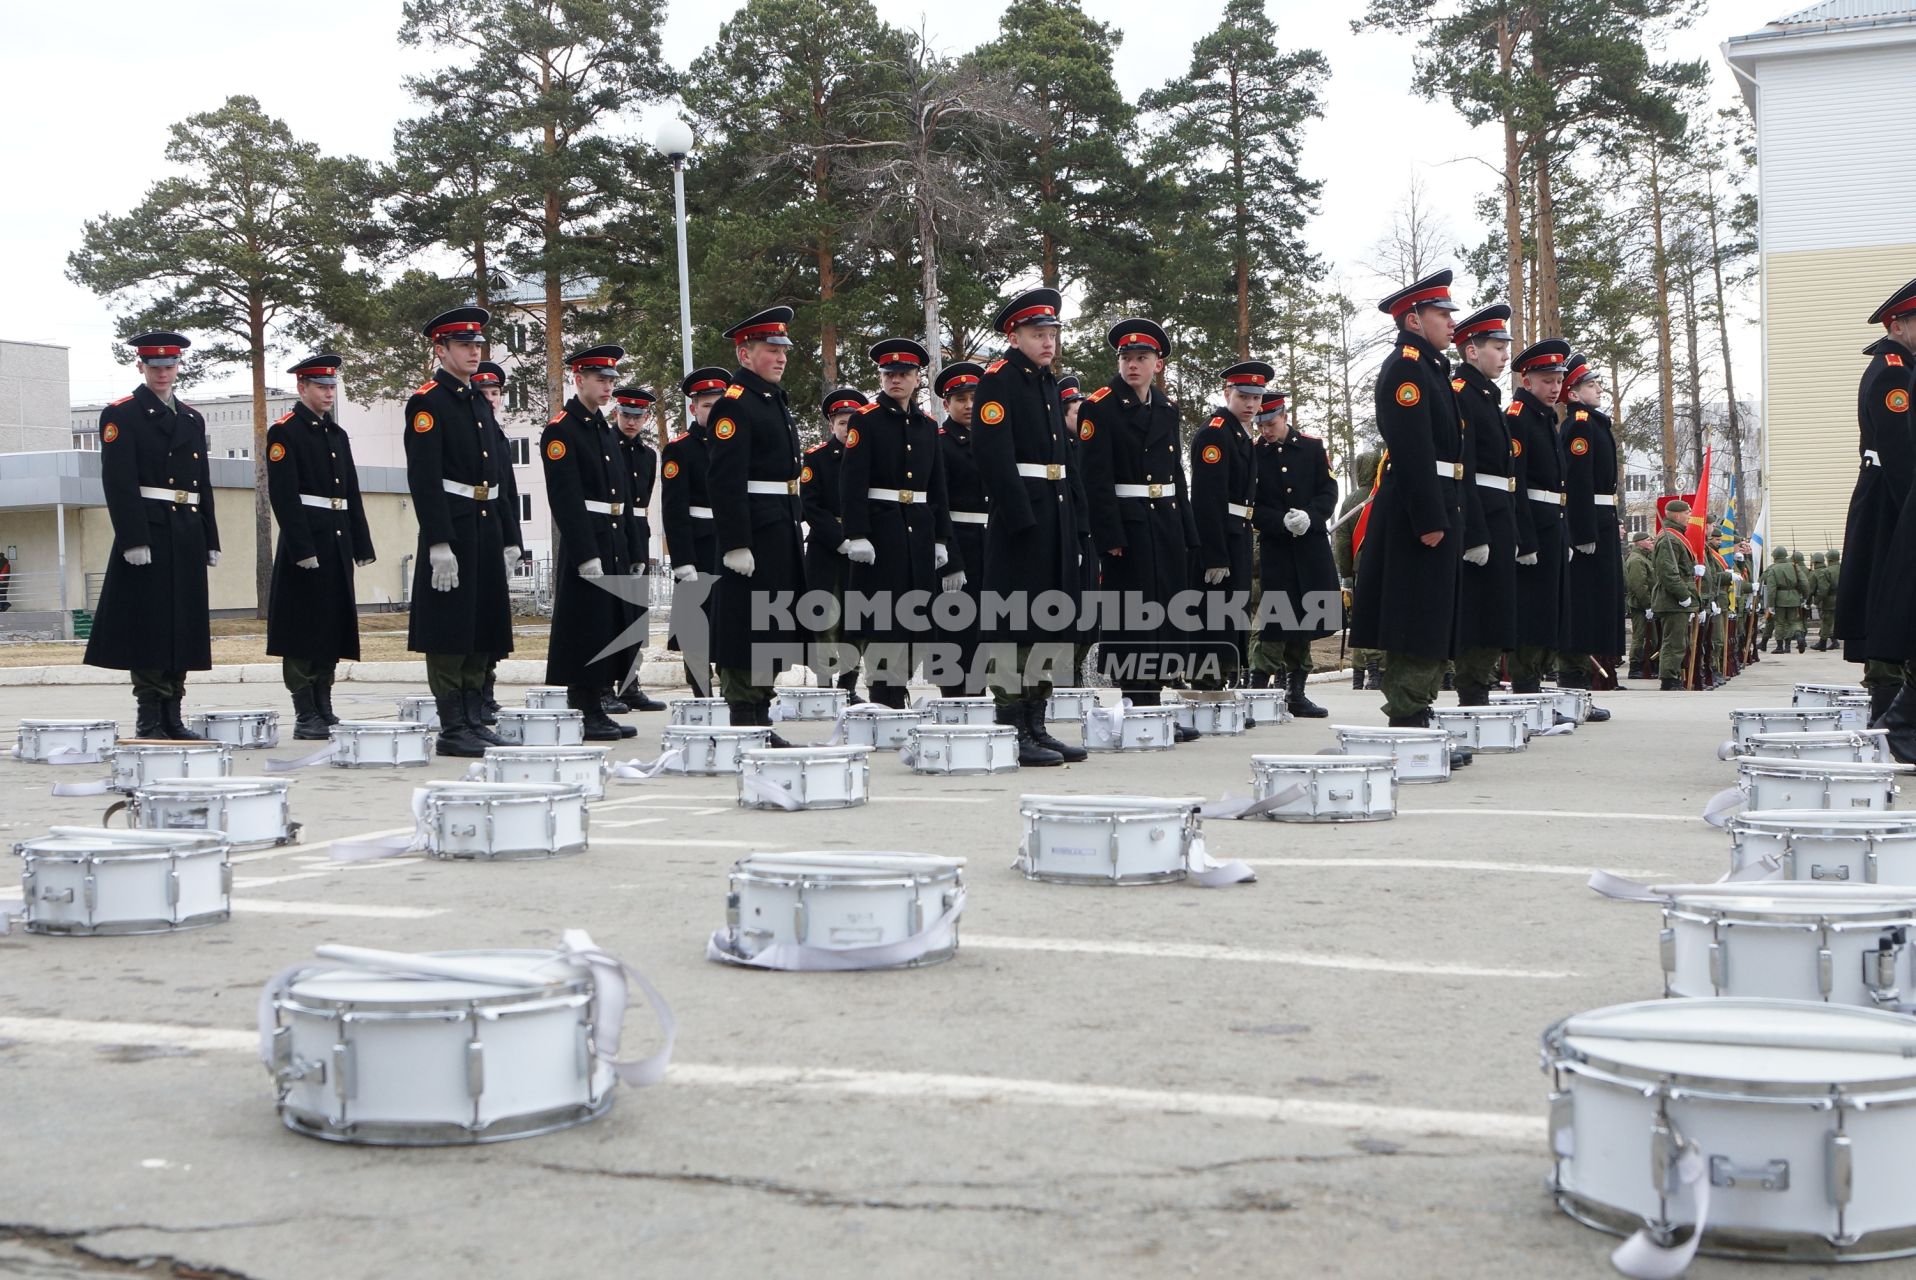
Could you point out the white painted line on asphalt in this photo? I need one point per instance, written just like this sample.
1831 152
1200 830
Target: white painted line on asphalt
1549 813
1249 955
270 907
1449 864
629 822
920 798
241 859
255 882
681 843
915 1086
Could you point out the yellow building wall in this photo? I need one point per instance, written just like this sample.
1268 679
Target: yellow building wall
1815 306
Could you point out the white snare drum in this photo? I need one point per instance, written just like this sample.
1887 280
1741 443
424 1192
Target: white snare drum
712 711
541 727
546 697
81 880
1107 839
1829 846
1811 694
1265 706
1487 729
812 777
77 741
1540 709
380 744
1131 729
582 767
360 1055
1069 704
1224 716
1327 788
1855 712
137 763
1866 746
503 820
1818 784
1571 704
962 748
1790 941
1798 1120
253 812
1752 720
975 711
1419 755
250 728
870 725
842 902
711 749
420 709
808 704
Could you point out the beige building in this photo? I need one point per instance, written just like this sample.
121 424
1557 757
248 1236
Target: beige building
33 396
229 420
1836 174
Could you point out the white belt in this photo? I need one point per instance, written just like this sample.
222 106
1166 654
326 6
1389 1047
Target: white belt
1451 470
1238 509
1162 489
1507 483
326 504
1605 499
701 513
1551 496
1042 470
477 492
970 517
904 496
187 496
1870 459
604 508
781 487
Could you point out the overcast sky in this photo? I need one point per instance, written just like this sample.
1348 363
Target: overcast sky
89 106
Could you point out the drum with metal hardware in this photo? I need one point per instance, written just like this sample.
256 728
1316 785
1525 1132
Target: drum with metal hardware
1326 788
1572 704
1486 729
1225 717
1420 755
541 727
546 697
804 777
711 749
499 821
1265 706
698 711
94 881
1130 729
1790 940
582 767
1855 712
1781 1130
65 741
136 763
1070 704
962 749
250 728
381 744
255 813
420 709
870 725
1827 846
1818 784
1540 709
969 711
1108 839
1865 746
801 703
842 910
1746 721
1813 694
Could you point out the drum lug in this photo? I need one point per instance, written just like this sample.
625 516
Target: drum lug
1842 1170
1773 1176
731 912
1869 866
1563 1132
1818 872
917 917
475 1067
344 1085
1879 967
226 879
1719 966
1666 949
1825 972
92 894
798 918
173 884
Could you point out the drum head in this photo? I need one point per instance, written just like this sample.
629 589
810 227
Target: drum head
1754 1041
107 843
1795 898
851 864
1853 822
1119 804
176 787
351 985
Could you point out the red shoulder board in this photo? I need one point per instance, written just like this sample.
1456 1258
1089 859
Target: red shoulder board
1515 409
1215 422
815 448
283 418
680 436
1583 415
1890 358
868 407
428 387
557 417
1099 394
1456 384
120 401
734 391
1410 352
994 366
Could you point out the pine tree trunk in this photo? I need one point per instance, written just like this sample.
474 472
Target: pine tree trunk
1513 186
262 507
928 275
1240 214
555 286
1660 282
1549 302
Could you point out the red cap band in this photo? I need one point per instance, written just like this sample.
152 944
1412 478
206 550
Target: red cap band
1246 380
1138 340
457 326
159 351
1468 332
1548 360
486 379
706 384
961 381
1410 302
899 357
758 331
839 406
595 362
1017 318
1902 308
636 402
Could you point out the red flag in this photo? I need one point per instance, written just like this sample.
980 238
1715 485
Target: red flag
1363 517
1697 535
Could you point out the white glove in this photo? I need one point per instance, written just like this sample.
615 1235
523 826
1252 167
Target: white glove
363 563
953 581
212 559
1698 571
1296 522
940 557
1587 548
1529 557
445 566
1569 554
592 569
1715 609
1649 615
512 560
1214 576
843 545
684 572
1479 554
861 551
740 561
1684 603
310 562
137 555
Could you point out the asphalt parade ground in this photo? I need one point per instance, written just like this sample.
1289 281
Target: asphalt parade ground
1330 1072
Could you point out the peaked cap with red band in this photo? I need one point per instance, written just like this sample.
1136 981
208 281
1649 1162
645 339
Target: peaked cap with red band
769 325
1541 357
899 353
1139 335
704 380
959 375
1033 306
159 349
1432 291
1492 322
461 324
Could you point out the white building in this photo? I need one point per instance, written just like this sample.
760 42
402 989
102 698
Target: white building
229 420
33 396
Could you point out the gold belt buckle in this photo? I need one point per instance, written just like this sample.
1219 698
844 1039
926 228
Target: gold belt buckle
1510 484
1249 511
182 495
339 504
791 486
1154 490
480 492
904 496
1052 470
618 508
1563 499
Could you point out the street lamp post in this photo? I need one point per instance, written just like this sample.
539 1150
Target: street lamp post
674 138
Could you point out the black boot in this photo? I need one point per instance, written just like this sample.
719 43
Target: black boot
758 715
146 722
1900 720
488 704
1669 683
323 699
612 704
1420 720
1801 647
1034 724
474 703
455 735
308 724
1881 694
173 726
1300 704
1030 754
1373 676
636 700
598 725
848 681
1357 676
1449 680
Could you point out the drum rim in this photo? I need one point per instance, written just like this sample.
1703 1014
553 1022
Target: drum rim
851 752
848 879
579 973
533 713
143 746
1744 1242
434 1134
207 847
1813 819
198 788
233 713
872 711
537 751
1807 920
1276 762
719 731
1864 770
967 730
65 722
388 726
130 928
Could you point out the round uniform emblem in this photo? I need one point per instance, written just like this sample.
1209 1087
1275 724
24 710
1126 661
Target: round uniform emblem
992 413
1898 400
724 428
851 438
671 470
277 452
422 422
111 433
1409 394
1212 453
1516 448
805 476
1086 430
556 450
1580 446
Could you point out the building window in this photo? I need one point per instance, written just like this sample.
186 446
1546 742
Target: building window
516 395
525 505
521 450
232 453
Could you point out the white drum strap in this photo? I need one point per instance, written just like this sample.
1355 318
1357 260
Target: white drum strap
1246 807
276 986
1685 1179
8 916
1108 721
1624 889
389 846
762 790
1724 805
65 755
1206 874
797 957
96 788
1557 729
320 756
636 770
609 978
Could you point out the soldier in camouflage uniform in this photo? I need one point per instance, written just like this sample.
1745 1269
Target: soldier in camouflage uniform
1636 596
1823 574
1785 591
1366 664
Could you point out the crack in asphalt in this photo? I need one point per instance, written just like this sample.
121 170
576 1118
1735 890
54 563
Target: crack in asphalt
69 1246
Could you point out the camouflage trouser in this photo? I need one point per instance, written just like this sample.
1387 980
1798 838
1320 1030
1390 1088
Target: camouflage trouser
1526 665
1411 684
1362 658
1676 635
1477 668
1826 624
1259 656
1639 638
1789 622
1769 629
1719 638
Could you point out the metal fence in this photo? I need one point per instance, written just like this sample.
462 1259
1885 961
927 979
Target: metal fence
31 592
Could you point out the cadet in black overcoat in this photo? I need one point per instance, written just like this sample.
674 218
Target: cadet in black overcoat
635 423
151 620
685 509
1487 597
1538 450
1223 490
1875 616
1293 505
825 563
1085 635
753 482
1593 586
490 382
957 386
312 620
